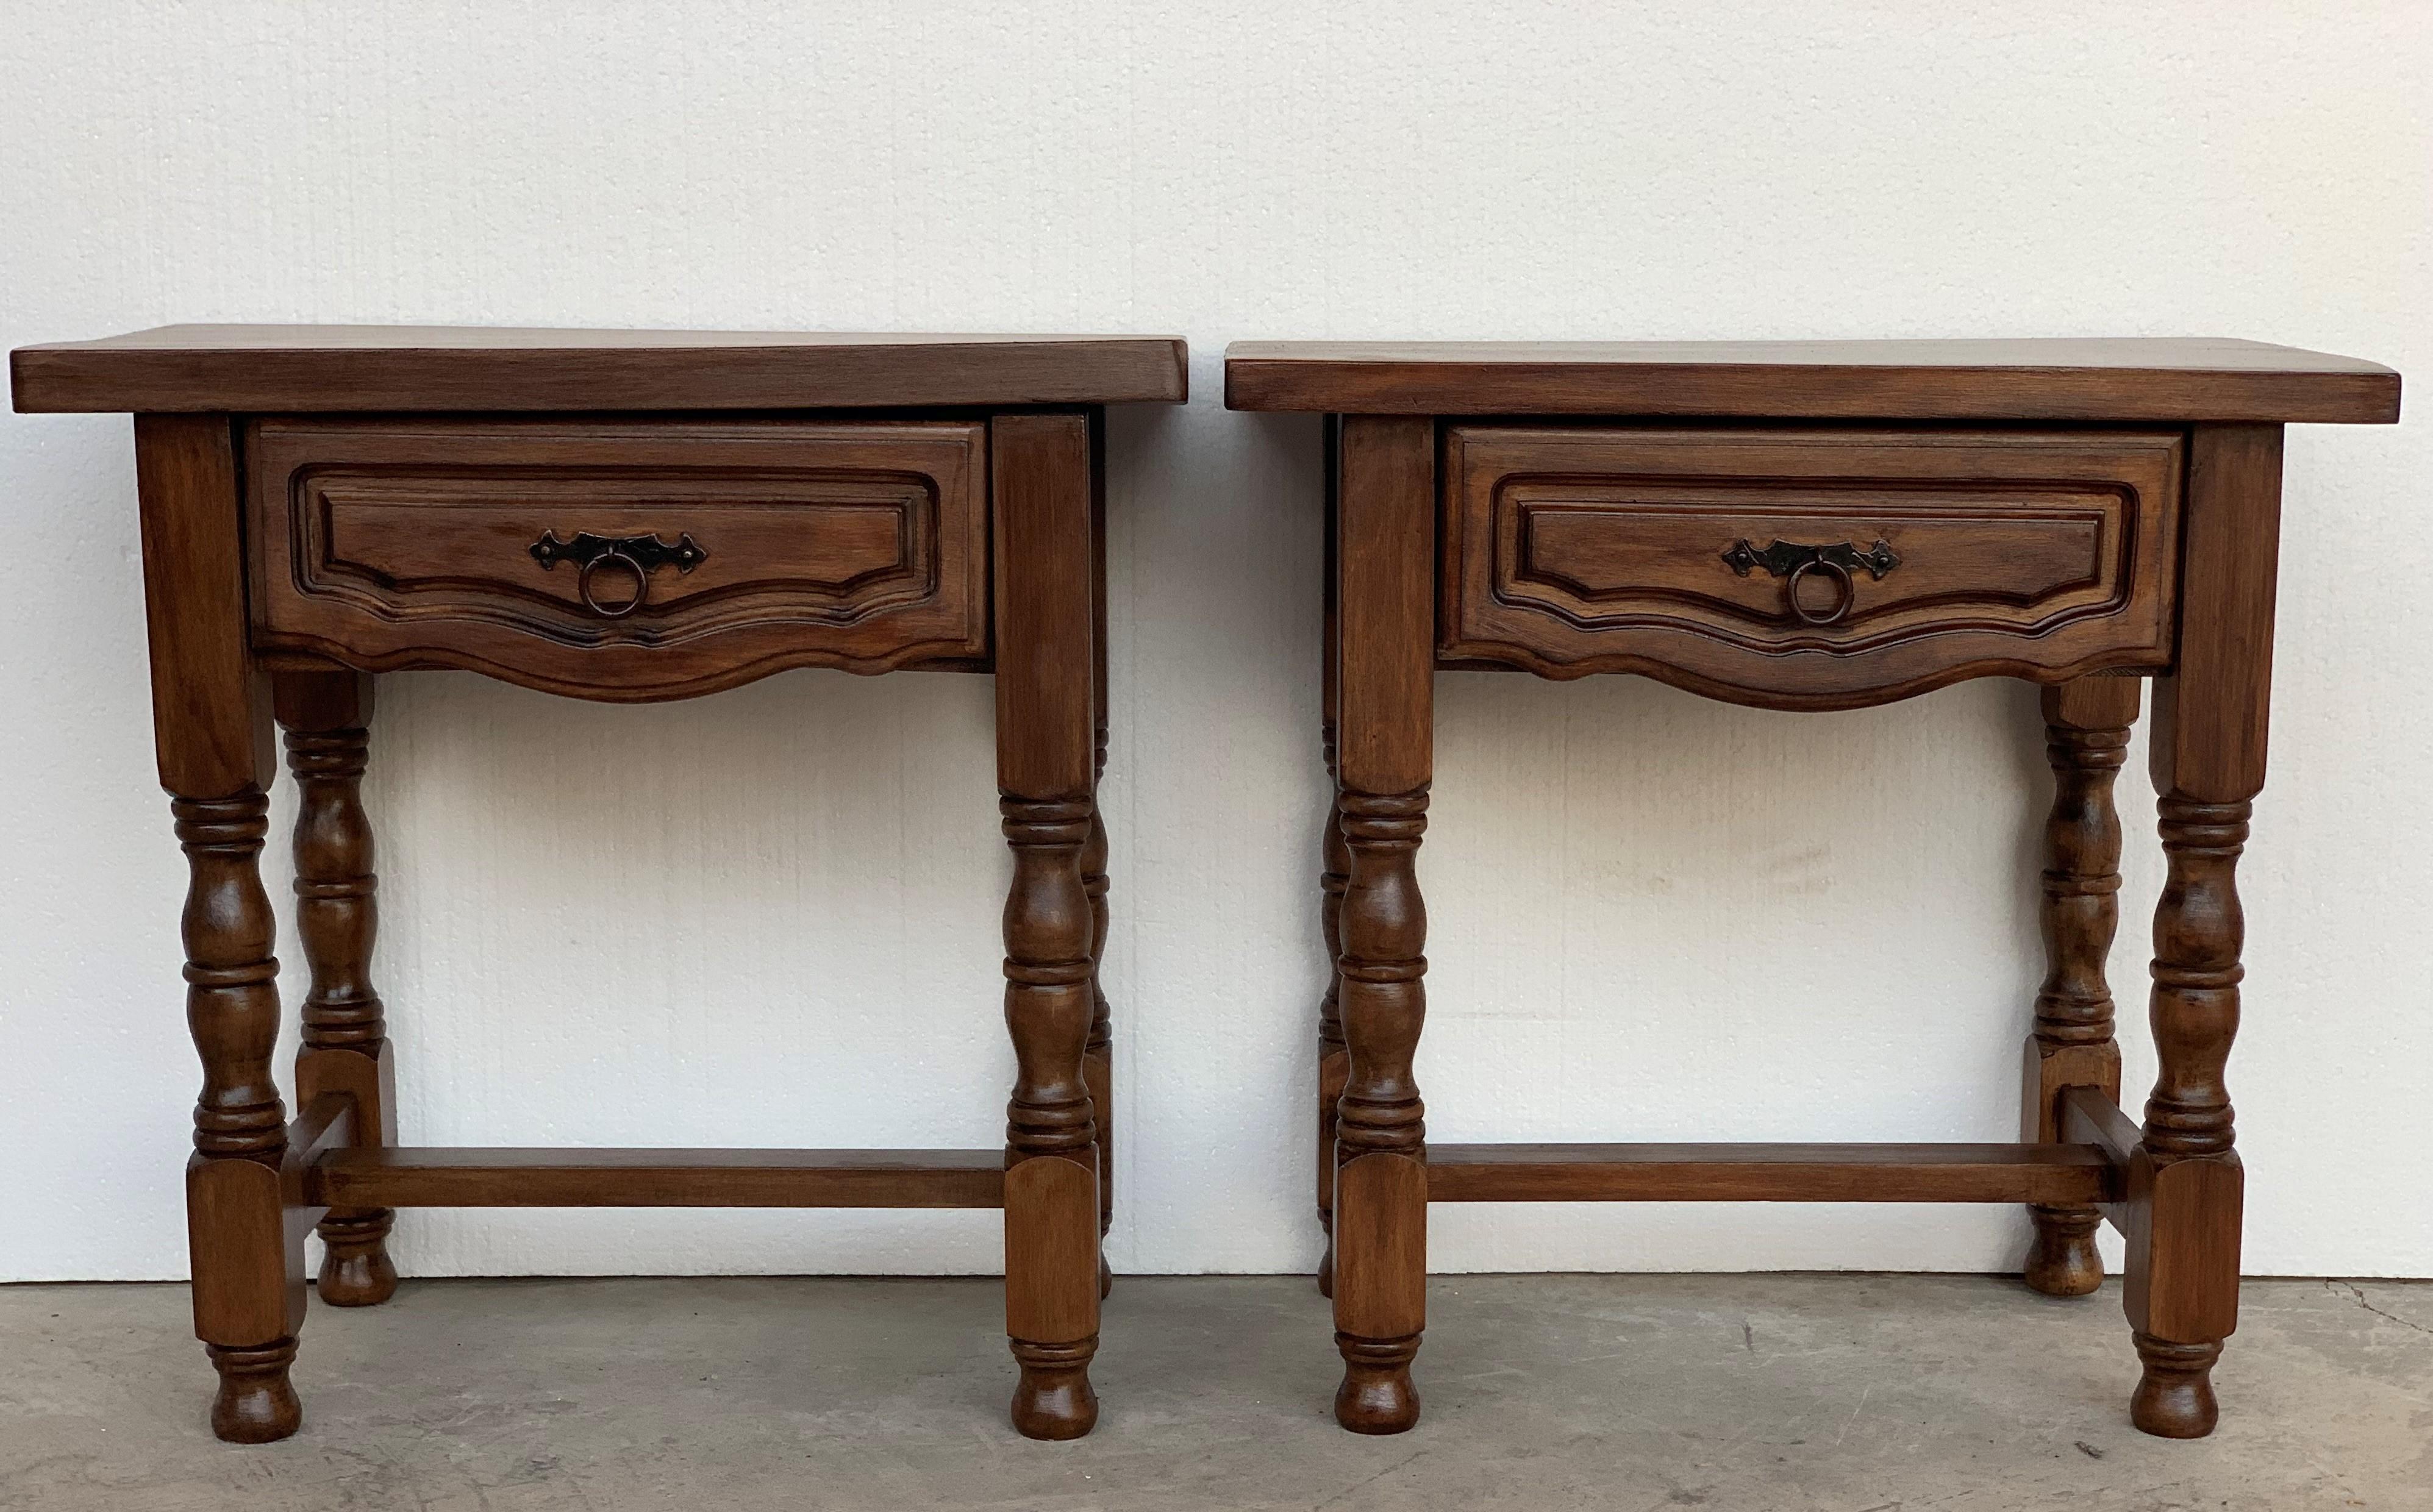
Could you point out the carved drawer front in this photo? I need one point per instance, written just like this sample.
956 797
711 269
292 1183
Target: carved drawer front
1808 569
619 559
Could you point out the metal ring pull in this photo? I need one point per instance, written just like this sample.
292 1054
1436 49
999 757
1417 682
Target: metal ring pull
637 555
1793 562
1845 591
618 559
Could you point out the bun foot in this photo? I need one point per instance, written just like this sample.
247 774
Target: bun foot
356 1267
2174 1398
255 1404
1377 1396
2062 1259
1053 1400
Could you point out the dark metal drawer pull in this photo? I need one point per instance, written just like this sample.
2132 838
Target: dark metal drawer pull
1789 561
641 556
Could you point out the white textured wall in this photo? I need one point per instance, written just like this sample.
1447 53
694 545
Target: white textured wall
770 917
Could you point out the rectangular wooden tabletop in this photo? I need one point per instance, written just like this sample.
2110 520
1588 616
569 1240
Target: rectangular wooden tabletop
2126 378
294 369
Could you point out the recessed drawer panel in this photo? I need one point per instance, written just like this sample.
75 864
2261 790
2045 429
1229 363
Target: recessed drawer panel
1810 568
618 560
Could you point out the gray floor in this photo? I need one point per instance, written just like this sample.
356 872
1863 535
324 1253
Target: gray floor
1856 1393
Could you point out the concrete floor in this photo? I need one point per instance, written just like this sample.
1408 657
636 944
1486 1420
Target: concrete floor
1853 1393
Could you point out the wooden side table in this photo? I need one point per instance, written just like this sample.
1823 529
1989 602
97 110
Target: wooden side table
625 515
1818 526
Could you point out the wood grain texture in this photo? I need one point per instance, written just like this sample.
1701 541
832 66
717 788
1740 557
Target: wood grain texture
303 370
326 1126
345 1049
1386 604
1381 1285
211 719
2089 1117
477 1178
2208 755
382 542
2181 1291
2212 713
2183 1219
394 544
1098 1055
232 977
1051 1293
2130 378
210 711
2199 930
1046 634
248 1265
1607 549
1098 1052
1384 609
1333 1060
1334 867
1047 719
251 1292
2071 1048
1770 1173
2055 555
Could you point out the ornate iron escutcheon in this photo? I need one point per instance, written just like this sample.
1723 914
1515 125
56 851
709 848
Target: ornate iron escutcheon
1790 562
639 556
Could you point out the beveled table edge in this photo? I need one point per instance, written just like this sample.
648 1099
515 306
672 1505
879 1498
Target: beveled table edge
354 370
2102 378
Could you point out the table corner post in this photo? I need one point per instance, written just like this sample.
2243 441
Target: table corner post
1385 619
1041 518
211 715
2207 755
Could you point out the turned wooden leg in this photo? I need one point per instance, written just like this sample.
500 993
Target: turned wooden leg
1045 769
2185 1188
2184 1184
1100 1066
346 1039
1381 1183
248 1265
1386 571
1335 870
1334 1063
1052 1273
2086 738
1098 1063
210 724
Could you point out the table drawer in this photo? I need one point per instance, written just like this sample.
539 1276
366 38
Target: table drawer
1812 569
615 559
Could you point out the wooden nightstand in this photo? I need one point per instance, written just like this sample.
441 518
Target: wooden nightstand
1814 526
625 515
